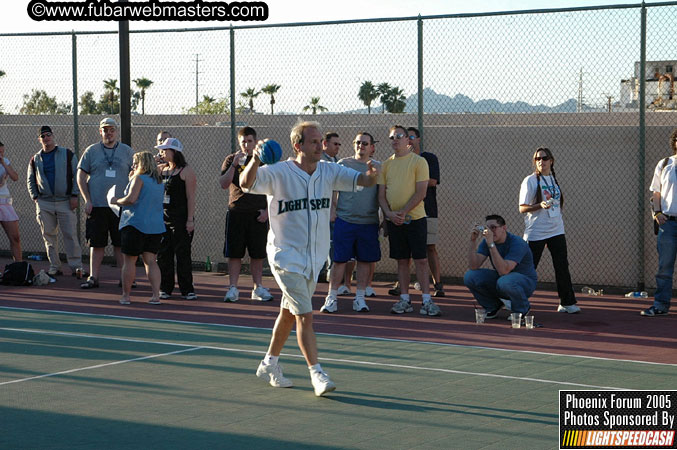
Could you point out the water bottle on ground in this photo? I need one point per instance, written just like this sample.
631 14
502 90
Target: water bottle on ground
35 257
637 294
208 265
588 290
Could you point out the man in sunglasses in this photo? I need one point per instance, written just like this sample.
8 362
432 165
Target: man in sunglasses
512 276
402 186
331 144
52 184
356 228
102 166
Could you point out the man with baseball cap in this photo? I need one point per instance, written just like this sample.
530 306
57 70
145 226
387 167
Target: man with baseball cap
52 184
102 166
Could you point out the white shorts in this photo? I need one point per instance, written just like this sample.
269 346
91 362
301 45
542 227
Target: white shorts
297 291
432 231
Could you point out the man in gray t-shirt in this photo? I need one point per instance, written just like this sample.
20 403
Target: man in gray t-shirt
103 165
355 229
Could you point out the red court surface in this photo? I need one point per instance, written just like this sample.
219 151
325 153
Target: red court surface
609 326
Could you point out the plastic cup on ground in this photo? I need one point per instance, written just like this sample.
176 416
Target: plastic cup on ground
529 321
516 319
480 315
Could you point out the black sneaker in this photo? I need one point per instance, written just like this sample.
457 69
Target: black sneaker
651 312
494 312
439 290
395 290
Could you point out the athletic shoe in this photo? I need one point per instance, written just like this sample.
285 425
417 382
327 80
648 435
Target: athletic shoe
571 309
273 375
343 290
401 307
439 290
261 294
651 312
189 296
417 286
369 292
395 290
232 295
330 305
321 383
154 301
124 301
360 305
507 303
164 295
430 309
491 314
54 272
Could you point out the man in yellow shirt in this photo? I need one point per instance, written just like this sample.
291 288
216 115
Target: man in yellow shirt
402 186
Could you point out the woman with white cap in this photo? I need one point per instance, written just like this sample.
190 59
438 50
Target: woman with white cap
179 214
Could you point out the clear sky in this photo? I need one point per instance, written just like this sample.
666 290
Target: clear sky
531 58
16 19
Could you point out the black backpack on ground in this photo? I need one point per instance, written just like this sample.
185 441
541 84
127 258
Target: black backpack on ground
18 274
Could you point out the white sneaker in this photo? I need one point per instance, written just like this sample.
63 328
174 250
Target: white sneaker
273 375
360 305
369 292
571 309
330 305
417 286
261 294
164 295
430 309
321 383
190 296
343 290
232 296
507 303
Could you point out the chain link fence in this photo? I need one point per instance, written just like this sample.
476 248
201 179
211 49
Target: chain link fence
492 87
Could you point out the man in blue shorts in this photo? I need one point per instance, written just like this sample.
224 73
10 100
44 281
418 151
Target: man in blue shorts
355 229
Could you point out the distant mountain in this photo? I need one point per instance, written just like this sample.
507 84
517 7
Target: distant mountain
434 103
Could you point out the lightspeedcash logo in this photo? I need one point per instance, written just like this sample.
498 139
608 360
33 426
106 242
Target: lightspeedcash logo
150 10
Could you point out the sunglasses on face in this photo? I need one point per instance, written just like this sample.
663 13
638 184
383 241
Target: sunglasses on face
412 136
44 135
396 136
542 158
362 143
493 227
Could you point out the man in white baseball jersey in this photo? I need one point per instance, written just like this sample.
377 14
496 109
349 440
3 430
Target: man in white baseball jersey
299 195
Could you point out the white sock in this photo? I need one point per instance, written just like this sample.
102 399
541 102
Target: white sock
270 360
333 293
426 298
405 297
359 293
315 368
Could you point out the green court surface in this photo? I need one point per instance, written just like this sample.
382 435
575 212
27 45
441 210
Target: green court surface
88 381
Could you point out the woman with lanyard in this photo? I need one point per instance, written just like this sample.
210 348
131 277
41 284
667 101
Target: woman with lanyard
179 211
541 201
8 217
141 224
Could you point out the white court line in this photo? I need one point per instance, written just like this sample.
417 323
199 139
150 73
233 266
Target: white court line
239 350
98 366
369 338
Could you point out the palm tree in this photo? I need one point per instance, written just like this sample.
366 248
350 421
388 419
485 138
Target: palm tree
111 89
250 94
142 84
395 101
314 105
383 90
367 94
2 73
271 90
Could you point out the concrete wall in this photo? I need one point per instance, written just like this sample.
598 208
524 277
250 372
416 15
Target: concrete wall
483 159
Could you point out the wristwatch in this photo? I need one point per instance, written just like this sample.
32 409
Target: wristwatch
492 245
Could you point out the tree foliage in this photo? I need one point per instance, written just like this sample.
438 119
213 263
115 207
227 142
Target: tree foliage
250 94
314 105
210 105
39 102
271 89
368 94
142 84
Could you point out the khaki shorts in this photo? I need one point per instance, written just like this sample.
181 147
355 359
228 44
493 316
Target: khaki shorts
297 291
432 231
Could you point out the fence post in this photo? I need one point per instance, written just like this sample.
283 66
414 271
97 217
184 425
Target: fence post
642 148
76 128
420 81
233 134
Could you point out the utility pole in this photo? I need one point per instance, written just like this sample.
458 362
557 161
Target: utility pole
197 81
581 99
